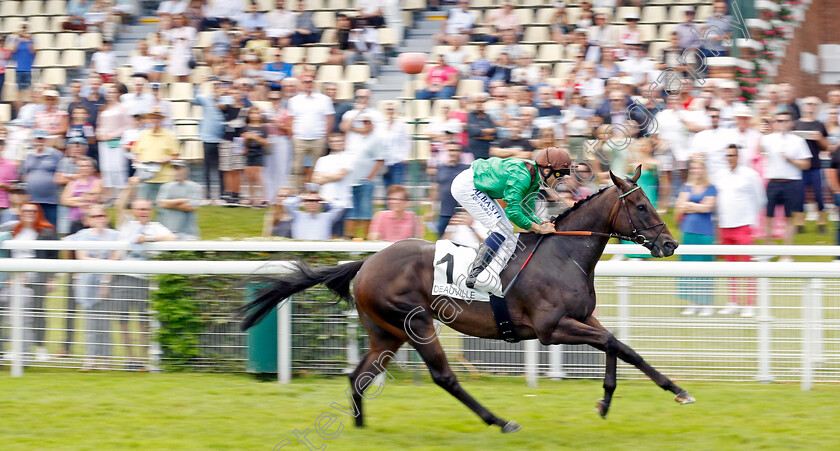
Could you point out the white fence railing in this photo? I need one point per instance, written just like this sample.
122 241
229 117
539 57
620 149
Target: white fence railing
794 334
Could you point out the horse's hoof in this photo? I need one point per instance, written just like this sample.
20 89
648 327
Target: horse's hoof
602 408
511 426
684 398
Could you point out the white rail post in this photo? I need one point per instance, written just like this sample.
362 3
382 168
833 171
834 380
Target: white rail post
531 363
817 329
623 285
811 332
765 324
17 323
555 362
352 341
284 341
155 351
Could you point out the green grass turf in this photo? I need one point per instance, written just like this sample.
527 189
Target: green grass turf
70 411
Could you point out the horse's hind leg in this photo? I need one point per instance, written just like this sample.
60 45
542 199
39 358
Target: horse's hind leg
421 325
383 346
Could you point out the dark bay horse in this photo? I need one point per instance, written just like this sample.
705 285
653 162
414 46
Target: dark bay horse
552 300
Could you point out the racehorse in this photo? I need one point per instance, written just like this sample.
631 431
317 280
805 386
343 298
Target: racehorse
553 300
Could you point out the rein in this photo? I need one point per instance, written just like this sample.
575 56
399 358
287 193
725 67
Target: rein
637 237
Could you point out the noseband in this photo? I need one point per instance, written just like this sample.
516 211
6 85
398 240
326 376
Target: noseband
636 236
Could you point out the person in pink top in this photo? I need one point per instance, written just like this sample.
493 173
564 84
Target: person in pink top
396 223
8 178
5 56
441 81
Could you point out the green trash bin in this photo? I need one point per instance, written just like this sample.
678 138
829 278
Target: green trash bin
262 338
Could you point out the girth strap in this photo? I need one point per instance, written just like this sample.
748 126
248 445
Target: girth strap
507 330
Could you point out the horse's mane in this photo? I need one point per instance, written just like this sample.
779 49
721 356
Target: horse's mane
578 205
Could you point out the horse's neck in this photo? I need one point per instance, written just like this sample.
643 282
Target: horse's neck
593 216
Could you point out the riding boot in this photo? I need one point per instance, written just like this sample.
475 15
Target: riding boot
482 260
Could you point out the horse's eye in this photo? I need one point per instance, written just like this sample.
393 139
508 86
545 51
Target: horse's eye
641 207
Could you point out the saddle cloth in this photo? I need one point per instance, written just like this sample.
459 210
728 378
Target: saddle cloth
452 262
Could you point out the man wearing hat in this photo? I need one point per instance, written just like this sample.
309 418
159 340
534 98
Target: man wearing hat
39 171
178 203
52 119
155 145
162 105
744 136
686 37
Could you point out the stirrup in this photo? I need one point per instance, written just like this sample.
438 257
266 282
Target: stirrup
483 258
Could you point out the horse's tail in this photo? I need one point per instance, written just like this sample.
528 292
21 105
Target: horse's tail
336 278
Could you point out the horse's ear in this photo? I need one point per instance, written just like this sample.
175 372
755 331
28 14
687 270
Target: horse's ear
637 174
616 181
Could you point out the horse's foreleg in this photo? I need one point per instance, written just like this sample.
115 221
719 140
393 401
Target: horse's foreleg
630 356
432 353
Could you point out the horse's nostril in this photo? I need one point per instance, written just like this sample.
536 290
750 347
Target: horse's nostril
670 245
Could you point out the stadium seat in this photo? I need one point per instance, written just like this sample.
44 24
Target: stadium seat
437 107
66 41
180 91
550 53
54 76
414 5
648 32
124 74
73 58
677 14
311 5
665 31
55 8
526 16
337 5
656 48
32 8
532 3
330 73
10 92
90 41
357 73
12 24
317 55
10 9
199 74
536 35
654 14
492 51
467 87
329 37
323 19
437 51
5 112
56 23
39 24
46 58
623 11
572 15
265 5
420 109
203 39
180 112
563 69
43 41
192 149
422 149
293 55
703 13
571 51
543 16
387 37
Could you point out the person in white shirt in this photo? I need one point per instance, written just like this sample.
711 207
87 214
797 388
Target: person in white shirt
373 11
142 63
637 65
104 62
672 146
312 117
280 22
740 201
711 144
138 101
351 121
744 136
459 21
331 172
396 141
787 156
367 158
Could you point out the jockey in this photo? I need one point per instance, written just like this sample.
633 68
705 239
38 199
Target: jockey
515 180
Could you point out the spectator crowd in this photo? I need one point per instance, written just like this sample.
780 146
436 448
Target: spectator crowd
275 136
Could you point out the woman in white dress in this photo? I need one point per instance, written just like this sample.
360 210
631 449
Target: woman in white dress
113 121
182 38
277 165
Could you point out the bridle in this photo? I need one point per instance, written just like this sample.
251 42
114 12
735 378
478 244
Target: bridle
636 237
